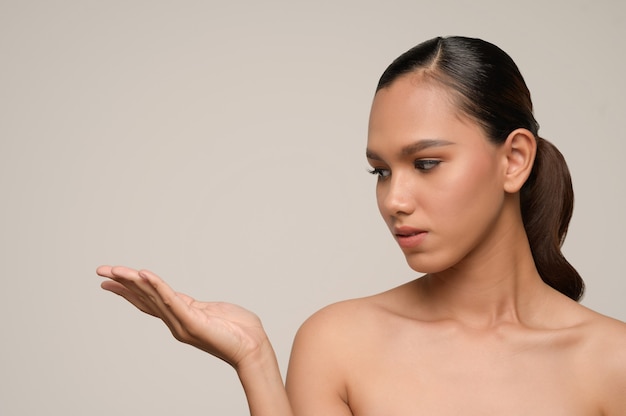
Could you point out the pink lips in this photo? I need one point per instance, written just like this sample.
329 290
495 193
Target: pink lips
409 237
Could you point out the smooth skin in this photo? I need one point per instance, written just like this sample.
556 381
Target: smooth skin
479 334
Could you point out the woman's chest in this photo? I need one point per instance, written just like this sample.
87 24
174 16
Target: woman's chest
447 378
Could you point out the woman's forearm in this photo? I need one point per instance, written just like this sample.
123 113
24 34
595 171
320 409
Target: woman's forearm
263 385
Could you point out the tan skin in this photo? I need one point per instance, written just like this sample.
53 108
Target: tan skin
479 334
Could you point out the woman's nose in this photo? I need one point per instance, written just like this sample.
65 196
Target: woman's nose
399 196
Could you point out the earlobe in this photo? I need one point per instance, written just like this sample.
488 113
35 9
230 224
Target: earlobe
520 149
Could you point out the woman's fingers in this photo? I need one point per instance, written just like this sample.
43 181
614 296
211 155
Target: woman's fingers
170 300
121 290
104 271
175 305
129 284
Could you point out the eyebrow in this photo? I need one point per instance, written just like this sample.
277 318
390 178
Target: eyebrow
412 148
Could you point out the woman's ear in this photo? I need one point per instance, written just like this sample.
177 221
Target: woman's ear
519 150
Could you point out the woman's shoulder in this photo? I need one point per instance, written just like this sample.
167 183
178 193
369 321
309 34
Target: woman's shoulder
603 360
330 346
382 305
359 320
607 339
593 334
345 315
603 331
335 340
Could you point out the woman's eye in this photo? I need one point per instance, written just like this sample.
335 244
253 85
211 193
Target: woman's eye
426 164
381 173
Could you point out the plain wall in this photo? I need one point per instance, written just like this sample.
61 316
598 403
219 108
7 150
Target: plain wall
221 144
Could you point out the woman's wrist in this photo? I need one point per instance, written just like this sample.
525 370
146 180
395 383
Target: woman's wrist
263 384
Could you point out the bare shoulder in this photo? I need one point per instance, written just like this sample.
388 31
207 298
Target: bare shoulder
605 334
604 359
327 348
601 338
342 335
341 322
348 319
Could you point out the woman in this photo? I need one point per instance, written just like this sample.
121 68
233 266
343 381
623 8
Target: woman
479 203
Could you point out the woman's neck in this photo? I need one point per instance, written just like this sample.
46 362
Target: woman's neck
495 284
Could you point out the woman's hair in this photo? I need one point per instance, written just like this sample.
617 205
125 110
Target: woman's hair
488 87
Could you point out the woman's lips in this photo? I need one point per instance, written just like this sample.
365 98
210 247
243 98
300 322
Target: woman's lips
408 237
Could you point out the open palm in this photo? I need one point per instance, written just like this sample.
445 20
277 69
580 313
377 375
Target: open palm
224 330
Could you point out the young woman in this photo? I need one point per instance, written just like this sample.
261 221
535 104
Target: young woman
479 203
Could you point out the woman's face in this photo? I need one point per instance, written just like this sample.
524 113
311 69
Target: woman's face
440 180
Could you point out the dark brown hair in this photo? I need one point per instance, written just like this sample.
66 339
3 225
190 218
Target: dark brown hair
489 88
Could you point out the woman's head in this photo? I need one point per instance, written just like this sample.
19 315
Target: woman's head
483 83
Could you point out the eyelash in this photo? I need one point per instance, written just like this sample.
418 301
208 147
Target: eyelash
423 165
381 173
426 164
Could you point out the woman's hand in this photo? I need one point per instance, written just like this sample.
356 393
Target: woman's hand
224 330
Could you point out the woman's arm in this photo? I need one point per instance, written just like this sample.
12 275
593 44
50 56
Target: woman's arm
323 348
226 331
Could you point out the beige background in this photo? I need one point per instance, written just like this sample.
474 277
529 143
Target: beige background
221 145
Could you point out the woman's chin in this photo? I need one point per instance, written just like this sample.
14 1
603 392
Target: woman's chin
422 263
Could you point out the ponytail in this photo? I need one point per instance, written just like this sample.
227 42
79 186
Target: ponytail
547 202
